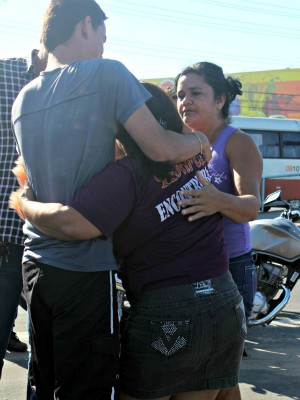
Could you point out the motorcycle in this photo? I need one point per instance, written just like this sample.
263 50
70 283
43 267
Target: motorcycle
276 253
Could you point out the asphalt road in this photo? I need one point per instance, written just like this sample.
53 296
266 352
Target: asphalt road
270 371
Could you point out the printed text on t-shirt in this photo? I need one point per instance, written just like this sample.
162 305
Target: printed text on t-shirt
169 206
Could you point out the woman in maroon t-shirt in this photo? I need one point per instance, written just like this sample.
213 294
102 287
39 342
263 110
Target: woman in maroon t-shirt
186 315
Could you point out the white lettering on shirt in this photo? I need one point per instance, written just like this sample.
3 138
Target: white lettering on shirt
170 207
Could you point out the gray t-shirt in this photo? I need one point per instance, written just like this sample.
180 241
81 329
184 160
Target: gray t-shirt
65 122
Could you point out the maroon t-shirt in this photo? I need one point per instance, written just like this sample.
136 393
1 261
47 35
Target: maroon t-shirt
155 244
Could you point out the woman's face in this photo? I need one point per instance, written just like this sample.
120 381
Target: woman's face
196 103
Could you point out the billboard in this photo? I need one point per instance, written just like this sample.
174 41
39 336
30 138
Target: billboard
265 93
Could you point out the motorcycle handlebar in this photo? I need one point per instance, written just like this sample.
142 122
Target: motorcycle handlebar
292 215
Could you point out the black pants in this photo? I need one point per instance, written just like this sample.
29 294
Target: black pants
74 332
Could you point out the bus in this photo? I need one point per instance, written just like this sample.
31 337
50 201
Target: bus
279 143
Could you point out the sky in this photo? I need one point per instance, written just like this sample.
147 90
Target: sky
158 38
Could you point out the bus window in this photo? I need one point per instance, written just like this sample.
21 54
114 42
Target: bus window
257 137
290 145
271 146
279 143
267 142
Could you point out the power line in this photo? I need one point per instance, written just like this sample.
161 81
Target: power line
272 93
273 105
259 107
163 52
183 18
18 25
293 9
254 10
146 49
182 51
18 34
195 21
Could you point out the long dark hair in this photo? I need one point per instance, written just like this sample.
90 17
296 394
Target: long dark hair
166 114
213 75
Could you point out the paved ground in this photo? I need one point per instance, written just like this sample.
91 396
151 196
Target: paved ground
272 368
271 371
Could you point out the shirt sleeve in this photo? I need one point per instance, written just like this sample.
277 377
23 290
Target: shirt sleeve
109 197
130 94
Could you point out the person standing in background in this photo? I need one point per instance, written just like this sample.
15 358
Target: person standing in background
15 73
203 99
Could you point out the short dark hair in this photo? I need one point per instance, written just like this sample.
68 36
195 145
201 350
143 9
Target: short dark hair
213 75
62 16
164 110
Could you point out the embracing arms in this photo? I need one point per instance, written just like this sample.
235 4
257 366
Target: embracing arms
96 209
163 145
54 219
246 167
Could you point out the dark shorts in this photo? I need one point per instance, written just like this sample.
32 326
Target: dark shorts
183 338
243 272
74 332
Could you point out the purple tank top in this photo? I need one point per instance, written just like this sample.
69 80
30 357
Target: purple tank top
237 236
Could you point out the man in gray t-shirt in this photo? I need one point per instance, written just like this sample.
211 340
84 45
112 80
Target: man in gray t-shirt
77 141
65 122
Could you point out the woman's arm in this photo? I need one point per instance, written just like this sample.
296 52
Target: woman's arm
96 209
246 167
57 220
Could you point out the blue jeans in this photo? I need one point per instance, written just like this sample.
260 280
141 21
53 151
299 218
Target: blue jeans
243 272
11 284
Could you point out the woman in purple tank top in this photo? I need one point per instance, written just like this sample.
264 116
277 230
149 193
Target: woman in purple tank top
203 99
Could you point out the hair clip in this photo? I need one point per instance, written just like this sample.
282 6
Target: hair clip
163 123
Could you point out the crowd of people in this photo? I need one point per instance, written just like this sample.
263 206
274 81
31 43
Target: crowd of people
169 215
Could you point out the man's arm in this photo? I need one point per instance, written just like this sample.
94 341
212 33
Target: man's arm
163 145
